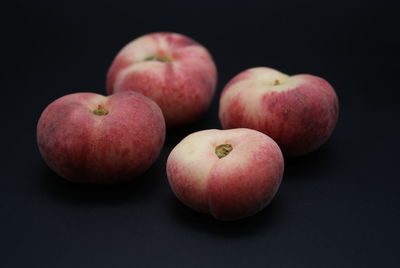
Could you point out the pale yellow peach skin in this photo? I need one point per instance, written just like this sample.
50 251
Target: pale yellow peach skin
299 112
175 71
230 174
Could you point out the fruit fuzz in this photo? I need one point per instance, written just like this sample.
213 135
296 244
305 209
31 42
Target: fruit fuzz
230 174
299 112
90 138
175 71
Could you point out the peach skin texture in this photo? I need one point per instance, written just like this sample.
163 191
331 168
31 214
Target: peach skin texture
90 138
299 112
231 187
175 71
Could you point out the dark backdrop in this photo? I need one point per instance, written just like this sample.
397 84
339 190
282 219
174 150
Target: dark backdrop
337 207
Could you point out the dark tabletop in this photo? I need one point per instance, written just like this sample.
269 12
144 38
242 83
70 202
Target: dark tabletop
337 207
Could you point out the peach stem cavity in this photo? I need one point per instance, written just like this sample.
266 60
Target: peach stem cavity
161 58
100 110
223 150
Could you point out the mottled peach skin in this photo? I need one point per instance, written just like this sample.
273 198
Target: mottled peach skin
175 71
232 187
90 138
299 112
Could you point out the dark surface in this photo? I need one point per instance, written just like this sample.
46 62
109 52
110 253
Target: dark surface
337 207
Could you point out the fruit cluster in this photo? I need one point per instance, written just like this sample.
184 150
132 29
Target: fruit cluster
165 80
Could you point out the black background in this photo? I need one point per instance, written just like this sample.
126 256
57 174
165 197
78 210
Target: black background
337 207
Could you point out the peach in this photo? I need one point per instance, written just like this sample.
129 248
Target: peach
90 138
175 71
230 174
299 112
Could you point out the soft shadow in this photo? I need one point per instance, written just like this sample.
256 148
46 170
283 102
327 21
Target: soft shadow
138 189
310 165
266 219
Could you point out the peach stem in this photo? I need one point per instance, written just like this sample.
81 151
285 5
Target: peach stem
100 110
161 58
223 150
